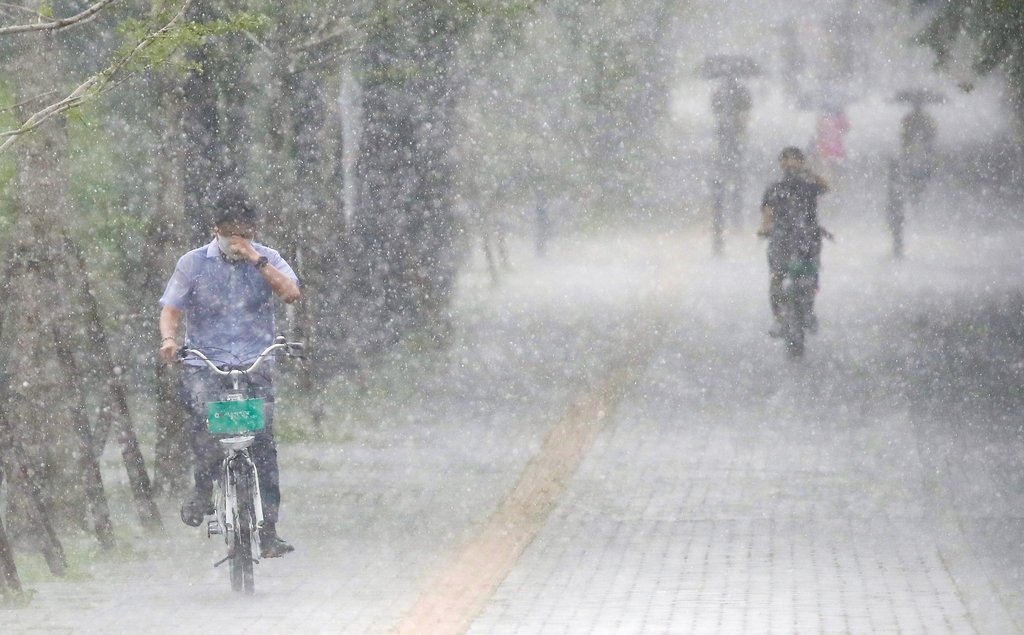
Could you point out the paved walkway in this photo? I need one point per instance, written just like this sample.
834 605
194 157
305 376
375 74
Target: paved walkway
716 487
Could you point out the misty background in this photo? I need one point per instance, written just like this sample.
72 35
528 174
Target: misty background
481 200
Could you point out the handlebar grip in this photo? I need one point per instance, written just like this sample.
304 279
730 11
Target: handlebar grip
296 346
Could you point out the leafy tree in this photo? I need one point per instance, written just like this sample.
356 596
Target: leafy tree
995 27
572 102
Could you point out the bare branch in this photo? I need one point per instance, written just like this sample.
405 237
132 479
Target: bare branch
28 100
54 25
345 31
90 88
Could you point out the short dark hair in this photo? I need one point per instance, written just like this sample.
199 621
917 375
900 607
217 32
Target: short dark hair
792 152
234 207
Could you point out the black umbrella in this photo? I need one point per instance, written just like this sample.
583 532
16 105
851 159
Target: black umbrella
920 96
722 66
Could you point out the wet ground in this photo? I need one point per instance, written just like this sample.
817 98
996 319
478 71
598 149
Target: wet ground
613 445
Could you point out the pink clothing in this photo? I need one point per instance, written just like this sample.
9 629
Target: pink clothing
832 127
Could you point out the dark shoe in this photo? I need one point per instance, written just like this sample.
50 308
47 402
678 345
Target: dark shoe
271 545
274 547
198 504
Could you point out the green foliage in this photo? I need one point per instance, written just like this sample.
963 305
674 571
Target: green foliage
571 105
82 553
13 600
390 15
96 186
181 36
147 45
996 27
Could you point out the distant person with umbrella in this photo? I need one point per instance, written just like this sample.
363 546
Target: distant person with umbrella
794 61
731 103
911 171
917 149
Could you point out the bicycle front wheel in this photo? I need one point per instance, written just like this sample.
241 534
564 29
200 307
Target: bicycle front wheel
241 556
793 323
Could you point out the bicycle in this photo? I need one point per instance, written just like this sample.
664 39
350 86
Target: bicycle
238 504
797 304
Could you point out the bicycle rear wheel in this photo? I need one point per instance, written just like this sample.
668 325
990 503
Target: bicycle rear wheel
241 556
793 323
795 338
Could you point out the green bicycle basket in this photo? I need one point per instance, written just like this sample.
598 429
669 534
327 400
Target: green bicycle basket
235 417
801 267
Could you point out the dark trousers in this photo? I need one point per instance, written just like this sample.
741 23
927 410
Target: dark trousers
200 385
781 252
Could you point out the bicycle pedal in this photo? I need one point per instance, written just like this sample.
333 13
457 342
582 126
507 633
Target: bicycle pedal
212 528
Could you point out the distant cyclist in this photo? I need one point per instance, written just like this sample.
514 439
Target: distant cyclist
225 292
789 219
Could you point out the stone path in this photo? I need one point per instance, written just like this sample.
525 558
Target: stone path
728 491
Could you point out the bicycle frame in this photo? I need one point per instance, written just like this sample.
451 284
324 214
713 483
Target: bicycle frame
240 533
798 294
226 501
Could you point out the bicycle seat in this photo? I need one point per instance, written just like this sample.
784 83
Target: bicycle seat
237 443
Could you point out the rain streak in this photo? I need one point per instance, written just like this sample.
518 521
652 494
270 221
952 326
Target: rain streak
518 317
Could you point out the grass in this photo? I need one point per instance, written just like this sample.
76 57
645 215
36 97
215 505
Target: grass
365 399
82 552
16 600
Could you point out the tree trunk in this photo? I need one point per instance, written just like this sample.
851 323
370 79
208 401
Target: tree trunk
404 224
214 124
25 494
88 459
320 238
201 146
115 405
167 238
42 218
49 278
9 580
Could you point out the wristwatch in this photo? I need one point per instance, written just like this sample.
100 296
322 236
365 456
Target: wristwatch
261 262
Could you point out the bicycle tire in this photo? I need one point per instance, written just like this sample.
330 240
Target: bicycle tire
241 560
795 340
233 565
794 323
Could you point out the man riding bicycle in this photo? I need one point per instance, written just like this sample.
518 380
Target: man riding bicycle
789 219
225 291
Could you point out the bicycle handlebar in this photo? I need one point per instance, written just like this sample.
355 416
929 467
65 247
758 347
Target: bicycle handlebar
279 343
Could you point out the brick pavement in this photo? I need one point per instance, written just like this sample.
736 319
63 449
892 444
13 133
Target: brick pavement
373 514
732 536
736 493
731 493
